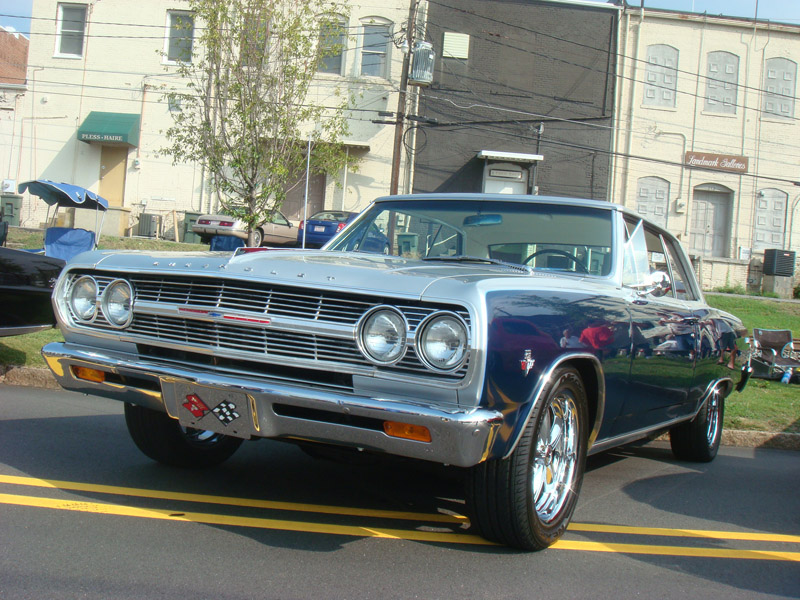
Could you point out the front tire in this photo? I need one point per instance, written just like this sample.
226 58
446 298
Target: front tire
698 440
526 500
163 439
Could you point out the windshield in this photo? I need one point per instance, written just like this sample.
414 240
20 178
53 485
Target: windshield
541 236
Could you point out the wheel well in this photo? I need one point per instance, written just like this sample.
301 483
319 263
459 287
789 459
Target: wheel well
590 373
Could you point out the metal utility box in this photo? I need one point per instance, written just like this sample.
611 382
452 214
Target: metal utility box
189 236
11 204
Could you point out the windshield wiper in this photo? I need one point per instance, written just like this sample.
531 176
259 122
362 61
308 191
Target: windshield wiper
478 259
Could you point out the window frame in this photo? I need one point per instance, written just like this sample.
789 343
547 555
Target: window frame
387 56
341 23
60 32
168 36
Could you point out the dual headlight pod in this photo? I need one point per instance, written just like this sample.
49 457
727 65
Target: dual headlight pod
441 339
115 302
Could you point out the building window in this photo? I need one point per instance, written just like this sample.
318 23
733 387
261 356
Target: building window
661 76
375 50
770 218
652 199
180 34
331 45
722 81
71 28
780 75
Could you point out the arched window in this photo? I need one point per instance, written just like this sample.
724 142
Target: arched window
722 83
375 43
332 43
661 76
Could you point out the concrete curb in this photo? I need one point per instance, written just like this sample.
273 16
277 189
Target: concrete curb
43 378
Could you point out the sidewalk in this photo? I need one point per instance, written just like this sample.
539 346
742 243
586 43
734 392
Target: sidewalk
42 378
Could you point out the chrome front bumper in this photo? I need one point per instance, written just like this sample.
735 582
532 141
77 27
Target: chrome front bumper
460 437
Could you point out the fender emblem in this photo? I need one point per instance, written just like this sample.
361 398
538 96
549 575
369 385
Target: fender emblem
526 364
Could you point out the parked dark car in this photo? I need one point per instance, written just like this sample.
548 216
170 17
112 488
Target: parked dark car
508 335
26 284
321 227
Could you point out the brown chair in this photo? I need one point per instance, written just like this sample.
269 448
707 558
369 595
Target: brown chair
774 352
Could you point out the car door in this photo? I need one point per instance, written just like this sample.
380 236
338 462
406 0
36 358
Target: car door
663 334
279 232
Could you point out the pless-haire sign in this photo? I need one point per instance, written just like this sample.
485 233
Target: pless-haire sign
717 162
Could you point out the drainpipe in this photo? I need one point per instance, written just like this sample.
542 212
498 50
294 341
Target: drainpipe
620 66
629 133
694 123
787 242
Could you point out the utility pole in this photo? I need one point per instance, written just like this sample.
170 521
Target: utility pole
401 100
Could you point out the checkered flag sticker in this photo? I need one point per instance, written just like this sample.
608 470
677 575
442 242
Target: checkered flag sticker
226 412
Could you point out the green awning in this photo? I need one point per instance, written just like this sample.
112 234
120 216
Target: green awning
110 128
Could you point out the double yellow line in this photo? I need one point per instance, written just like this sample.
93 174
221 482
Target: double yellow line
452 520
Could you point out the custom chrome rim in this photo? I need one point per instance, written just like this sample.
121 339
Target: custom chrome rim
556 459
712 417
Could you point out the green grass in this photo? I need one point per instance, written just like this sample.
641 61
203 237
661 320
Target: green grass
758 312
762 406
33 238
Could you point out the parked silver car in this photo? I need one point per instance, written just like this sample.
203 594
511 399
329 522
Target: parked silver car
278 231
508 335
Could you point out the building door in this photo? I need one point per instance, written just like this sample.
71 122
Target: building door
711 221
770 217
113 168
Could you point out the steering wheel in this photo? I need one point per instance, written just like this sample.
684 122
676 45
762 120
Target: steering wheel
583 268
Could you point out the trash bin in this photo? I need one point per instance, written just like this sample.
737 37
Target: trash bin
11 204
189 219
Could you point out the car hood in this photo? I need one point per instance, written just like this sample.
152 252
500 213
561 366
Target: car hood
346 271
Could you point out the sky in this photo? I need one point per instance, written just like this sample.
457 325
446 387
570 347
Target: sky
14 13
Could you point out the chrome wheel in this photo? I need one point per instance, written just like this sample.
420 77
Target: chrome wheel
201 436
258 238
712 426
556 457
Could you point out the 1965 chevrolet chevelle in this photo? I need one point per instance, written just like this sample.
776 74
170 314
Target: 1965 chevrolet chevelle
509 335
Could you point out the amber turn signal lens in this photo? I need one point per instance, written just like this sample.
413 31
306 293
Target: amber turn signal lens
89 374
418 433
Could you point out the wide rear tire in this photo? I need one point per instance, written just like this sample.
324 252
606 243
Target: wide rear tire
163 439
698 440
526 500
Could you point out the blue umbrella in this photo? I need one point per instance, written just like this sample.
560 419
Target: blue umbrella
64 194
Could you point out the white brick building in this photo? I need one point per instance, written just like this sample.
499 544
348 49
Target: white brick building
720 93
94 112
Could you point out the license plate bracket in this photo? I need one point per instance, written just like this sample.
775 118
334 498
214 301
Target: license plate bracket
212 409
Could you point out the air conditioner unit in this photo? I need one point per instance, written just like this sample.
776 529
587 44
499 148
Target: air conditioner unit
149 225
422 60
779 262
9 186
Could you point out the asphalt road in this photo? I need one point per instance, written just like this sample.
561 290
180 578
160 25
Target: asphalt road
84 515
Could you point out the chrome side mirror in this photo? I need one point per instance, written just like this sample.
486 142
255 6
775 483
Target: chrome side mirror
656 284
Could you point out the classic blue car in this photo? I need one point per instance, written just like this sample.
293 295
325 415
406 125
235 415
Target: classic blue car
320 227
508 335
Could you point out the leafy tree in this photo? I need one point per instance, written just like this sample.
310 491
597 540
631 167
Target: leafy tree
245 113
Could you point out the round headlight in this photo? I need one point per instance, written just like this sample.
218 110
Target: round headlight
442 342
382 336
117 301
83 298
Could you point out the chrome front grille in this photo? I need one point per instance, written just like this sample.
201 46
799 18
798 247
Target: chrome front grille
309 307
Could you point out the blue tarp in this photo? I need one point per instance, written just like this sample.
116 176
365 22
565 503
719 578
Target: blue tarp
63 194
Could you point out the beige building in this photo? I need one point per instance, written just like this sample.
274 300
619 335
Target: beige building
708 136
94 110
